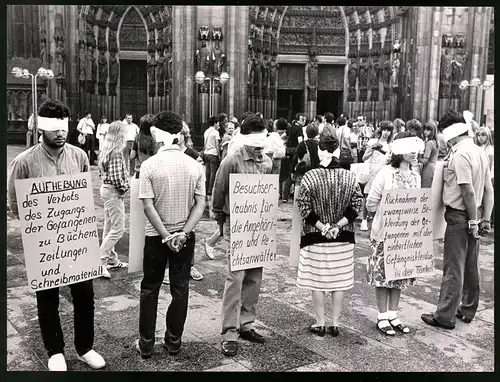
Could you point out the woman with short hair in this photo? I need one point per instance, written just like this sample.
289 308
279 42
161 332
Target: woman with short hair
399 175
114 175
329 201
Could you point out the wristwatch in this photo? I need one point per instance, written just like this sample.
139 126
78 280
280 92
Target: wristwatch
472 223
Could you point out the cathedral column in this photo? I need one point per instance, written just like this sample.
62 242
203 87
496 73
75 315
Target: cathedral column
435 64
71 16
421 62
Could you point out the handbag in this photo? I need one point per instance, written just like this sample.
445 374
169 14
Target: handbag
345 157
81 139
364 173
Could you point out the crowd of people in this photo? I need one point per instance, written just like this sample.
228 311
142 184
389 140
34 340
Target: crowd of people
336 171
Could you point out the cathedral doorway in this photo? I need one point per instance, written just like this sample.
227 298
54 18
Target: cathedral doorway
290 102
329 101
133 88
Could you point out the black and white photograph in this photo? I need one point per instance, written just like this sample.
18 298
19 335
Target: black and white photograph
250 188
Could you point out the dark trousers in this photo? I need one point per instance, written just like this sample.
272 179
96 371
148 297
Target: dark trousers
212 163
156 257
290 152
50 324
460 285
89 148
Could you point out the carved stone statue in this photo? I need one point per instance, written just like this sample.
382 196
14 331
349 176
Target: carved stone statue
408 78
363 73
217 87
88 67
219 59
151 74
217 33
103 72
457 75
312 72
395 70
375 72
273 72
114 69
387 69
258 74
203 33
160 70
265 70
250 68
396 46
60 58
203 58
168 66
352 73
446 68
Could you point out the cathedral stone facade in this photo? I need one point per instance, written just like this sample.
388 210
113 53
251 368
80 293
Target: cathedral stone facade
380 61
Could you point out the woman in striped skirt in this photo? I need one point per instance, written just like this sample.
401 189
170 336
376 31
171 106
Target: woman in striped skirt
329 201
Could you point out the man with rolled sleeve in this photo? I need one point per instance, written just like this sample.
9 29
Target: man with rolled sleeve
52 157
242 288
172 189
468 197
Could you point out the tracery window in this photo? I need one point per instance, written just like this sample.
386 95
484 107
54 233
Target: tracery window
23 31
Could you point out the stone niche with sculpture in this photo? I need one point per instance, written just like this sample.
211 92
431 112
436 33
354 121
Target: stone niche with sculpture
210 58
452 66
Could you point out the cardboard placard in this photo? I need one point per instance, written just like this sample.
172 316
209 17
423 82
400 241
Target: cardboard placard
59 230
438 209
253 203
137 229
408 240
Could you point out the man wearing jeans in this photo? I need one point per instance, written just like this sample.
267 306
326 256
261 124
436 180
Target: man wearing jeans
468 197
172 188
53 156
242 288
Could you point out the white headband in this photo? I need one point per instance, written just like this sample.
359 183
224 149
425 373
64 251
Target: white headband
164 136
407 145
52 124
325 157
254 140
457 129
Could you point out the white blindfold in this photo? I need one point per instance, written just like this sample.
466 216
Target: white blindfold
254 140
407 145
164 137
52 124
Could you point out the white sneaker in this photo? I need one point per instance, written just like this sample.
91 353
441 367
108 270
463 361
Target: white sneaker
209 251
57 363
93 359
364 225
195 274
105 272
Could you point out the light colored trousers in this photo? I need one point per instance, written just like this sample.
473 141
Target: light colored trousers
114 223
241 293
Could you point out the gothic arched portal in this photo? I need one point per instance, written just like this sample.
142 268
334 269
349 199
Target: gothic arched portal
364 78
125 57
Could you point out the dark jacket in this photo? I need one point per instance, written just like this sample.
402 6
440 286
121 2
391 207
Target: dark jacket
312 146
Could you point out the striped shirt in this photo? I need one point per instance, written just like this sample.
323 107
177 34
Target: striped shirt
172 179
36 162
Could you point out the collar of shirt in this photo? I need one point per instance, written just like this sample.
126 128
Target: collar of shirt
171 148
246 155
55 160
463 143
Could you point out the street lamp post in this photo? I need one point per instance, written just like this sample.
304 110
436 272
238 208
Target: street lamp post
42 73
200 78
476 83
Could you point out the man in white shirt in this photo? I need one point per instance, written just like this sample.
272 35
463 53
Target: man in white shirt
211 153
131 130
86 128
